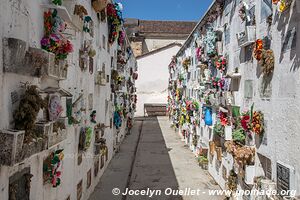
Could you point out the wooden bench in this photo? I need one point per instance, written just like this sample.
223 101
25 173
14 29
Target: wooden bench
155 109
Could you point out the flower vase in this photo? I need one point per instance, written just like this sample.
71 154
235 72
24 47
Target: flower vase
228 132
208 117
249 174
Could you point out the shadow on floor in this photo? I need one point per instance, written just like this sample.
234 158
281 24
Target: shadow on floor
152 169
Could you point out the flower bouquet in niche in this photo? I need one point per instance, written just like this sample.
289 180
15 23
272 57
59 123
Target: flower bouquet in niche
217 83
51 167
264 57
210 42
258 122
53 40
257 53
282 5
115 20
219 129
223 119
186 63
239 136
57 2
221 63
246 121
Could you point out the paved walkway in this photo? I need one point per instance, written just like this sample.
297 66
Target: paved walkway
152 159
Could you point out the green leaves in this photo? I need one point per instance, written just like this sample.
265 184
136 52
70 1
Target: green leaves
219 129
57 2
239 136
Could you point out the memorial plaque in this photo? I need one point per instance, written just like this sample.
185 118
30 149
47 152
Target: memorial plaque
107 78
96 167
248 53
103 41
19 185
283 178
266 87
248 89
89 178
266 164
90 101
79 159
91 65
265 136
79 190
102 161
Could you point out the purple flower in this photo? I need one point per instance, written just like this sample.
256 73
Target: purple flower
45 41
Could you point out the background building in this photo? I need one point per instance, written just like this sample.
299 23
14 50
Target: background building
154 43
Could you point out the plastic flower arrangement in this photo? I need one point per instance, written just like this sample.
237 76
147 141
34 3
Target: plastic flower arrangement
87 24
88 132
173 62
258 122
219 129
186 63
54 41
118 118
57 2
189 105
199 53
223 119
267 61
121 38
115 20
239 136
210 42
282 5
181 77
217 83
221 63
257 53
196 105
51 168
243 155
246 121
265 57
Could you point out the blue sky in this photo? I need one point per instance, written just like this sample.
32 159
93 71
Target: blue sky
182 10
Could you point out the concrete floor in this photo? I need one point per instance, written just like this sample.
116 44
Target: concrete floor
154 158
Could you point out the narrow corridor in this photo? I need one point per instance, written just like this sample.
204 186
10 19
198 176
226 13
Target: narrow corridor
154 157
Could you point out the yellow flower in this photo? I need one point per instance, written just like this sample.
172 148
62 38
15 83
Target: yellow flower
61 156
281 6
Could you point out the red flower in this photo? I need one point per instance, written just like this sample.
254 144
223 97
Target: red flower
245 122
